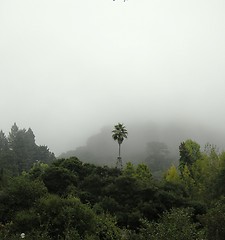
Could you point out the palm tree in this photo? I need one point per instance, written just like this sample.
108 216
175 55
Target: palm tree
119 133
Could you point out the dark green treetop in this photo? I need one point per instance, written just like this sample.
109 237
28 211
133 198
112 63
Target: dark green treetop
189 153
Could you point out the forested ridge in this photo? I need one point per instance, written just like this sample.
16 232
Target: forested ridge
48 198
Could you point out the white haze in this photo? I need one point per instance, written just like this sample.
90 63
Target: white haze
67 68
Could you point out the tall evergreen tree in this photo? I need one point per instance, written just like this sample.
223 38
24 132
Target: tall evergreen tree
24 149
12 135
189 153
3 142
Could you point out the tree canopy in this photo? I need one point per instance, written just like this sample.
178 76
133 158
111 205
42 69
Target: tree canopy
18 151
70 199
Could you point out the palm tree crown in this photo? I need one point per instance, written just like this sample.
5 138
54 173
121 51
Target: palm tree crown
119 133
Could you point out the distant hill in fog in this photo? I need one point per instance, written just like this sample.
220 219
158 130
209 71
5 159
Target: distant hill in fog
101 149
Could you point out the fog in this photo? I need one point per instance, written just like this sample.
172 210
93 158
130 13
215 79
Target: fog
69 68
101 149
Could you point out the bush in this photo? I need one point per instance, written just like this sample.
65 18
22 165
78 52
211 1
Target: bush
173 225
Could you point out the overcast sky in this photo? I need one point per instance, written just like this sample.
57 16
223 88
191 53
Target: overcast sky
69 67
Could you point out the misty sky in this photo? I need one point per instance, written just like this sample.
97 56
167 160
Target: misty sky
67 68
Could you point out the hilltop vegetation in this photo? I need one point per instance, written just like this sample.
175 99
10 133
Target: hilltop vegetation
70 199
18 151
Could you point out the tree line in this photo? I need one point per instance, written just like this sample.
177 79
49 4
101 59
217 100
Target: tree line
18 151
70 199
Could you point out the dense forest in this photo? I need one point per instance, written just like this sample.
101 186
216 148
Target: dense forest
42 197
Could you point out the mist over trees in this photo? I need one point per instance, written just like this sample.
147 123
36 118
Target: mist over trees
71 199
154 144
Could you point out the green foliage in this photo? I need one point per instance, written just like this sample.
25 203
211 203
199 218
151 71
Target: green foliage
37 171
172 175
7 157
20 194
25 221
119 133
141 173
73 164
176 224
129 169
4 146
189 153
213 221
188 181
69 199
59 215
106 228
218 174
93 184
110 205
205 174
70 219
19 151
178 196
57 179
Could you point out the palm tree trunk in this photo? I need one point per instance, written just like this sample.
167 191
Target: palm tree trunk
119 150
119 163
